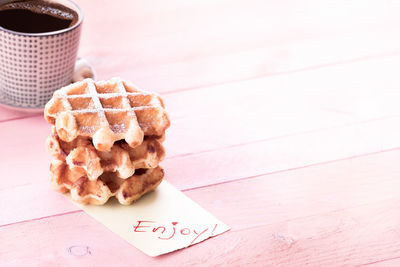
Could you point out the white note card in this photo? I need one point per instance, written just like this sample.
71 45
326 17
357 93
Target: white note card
160 222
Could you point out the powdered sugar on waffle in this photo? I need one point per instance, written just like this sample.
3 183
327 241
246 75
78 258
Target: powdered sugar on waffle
87 129
118 128
107 111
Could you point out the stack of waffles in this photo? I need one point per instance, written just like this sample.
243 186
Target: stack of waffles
106 141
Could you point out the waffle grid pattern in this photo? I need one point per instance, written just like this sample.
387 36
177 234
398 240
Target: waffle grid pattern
91 101
106 111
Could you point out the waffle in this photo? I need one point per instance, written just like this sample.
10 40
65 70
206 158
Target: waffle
106 111
98 192
81 156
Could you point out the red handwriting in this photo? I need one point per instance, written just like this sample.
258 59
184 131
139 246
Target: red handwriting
141 226
215 227
197 235
165 232
159 227
172 235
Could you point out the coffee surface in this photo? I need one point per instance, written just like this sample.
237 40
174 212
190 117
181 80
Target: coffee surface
36 16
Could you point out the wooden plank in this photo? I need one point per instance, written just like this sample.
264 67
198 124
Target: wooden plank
197 170
347 95
272 60
340 212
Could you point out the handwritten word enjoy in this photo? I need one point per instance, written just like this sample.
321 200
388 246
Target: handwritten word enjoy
169 232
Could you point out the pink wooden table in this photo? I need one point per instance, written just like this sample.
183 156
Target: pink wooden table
285 125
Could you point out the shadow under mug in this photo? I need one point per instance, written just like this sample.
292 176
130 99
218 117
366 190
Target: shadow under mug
34 65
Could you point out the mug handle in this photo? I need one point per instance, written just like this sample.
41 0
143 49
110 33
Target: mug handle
82 70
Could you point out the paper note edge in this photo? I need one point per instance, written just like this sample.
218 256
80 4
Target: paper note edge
156 255
227 227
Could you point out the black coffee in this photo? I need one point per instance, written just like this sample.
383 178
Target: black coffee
36 16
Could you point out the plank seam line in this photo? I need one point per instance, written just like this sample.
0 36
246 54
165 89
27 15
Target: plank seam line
304 69
378 261
259 225
41 218
21 118
294 168
317 130
287 72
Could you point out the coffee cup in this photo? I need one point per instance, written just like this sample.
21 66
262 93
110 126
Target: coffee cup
39 42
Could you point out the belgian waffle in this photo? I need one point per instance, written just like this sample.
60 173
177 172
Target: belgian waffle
106 111
98 192
81 156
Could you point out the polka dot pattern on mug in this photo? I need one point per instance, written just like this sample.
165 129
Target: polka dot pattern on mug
33 67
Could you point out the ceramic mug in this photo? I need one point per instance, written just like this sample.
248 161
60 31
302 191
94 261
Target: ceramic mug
34 65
